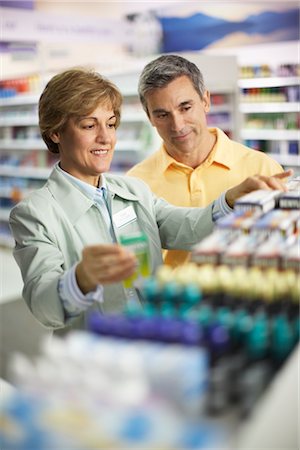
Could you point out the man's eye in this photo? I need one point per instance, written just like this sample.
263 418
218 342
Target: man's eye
161 116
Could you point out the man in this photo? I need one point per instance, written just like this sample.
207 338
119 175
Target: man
195 164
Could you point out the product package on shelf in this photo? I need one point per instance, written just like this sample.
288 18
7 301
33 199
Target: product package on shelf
262 231
260 200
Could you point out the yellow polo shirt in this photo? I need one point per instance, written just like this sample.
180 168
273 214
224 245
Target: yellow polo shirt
228 164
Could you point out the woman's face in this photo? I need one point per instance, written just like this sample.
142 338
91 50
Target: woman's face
86 145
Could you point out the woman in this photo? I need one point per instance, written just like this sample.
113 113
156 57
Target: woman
67 233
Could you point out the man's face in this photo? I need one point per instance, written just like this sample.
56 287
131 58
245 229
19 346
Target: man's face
86 145
179 115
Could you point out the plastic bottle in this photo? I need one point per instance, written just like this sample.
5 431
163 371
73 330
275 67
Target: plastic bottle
258 369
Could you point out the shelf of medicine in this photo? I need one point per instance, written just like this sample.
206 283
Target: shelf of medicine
225 126
268 82
19 121
271 135
224 107
269 107
20 99
39 173
286 160
22 144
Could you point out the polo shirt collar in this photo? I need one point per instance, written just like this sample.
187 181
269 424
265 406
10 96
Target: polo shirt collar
166 160
222 153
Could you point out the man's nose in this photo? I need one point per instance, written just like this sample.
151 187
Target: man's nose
177 122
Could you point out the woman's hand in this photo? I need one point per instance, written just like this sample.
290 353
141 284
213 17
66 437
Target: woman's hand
276 182
103 264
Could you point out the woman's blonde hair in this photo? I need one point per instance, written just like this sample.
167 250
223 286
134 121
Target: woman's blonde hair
71 94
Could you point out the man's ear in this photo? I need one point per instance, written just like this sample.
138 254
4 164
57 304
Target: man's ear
206 101
55 137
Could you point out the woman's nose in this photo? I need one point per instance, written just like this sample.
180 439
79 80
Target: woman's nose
102 134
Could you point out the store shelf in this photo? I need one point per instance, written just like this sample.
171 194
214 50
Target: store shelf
271 107
271 115
287 160
6 193
268 82
20 99
220 108
19 121
268 135
25 172
22 144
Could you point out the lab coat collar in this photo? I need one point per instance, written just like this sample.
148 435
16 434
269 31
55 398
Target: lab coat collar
73 201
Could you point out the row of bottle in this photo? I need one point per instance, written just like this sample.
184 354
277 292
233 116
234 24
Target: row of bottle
274 94
32 158
20 132
274 147
16 86
235 340
264 71
195 363
13 189
273 121
253 317
235 285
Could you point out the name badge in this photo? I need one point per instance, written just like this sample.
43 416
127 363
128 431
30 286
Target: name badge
124 216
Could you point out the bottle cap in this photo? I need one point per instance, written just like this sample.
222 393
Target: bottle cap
191 294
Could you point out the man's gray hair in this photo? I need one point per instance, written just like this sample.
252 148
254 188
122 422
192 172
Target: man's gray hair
164 69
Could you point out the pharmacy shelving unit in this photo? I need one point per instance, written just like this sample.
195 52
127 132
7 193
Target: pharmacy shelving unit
23 156
270 117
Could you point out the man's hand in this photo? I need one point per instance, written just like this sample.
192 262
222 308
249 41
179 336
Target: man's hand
276 182
103 264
